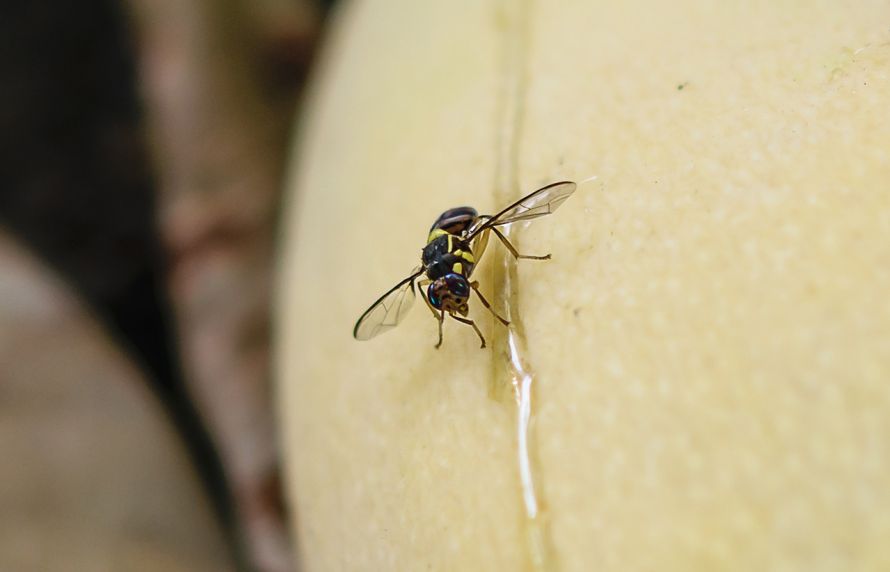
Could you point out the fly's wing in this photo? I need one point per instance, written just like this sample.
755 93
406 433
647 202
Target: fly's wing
388 310
539 203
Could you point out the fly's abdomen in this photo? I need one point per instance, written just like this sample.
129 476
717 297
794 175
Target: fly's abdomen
455 221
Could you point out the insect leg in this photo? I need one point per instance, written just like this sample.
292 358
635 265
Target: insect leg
421 285
513 250
441 319
475 286
471 323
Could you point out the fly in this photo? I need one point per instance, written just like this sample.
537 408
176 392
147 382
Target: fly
454 246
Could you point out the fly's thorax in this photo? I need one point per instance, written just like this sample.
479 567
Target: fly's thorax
447 254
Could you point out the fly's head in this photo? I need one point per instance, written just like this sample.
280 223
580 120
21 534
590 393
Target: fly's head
450 293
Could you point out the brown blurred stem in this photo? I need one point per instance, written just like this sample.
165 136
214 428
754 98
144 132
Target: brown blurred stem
219 81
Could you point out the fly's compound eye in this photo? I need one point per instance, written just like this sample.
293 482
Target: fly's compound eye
431 294
458 285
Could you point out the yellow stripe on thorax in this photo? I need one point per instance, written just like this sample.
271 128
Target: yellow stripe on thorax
434 234
466 255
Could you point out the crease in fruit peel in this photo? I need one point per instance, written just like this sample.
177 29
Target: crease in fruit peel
522 382
515 32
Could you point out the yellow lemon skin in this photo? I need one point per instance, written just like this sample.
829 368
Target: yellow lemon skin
710 344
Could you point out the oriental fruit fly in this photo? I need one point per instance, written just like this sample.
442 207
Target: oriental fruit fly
455 244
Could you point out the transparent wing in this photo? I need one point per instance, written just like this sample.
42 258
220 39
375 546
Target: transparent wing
539 203
388 310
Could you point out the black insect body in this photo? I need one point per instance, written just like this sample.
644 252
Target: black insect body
455 244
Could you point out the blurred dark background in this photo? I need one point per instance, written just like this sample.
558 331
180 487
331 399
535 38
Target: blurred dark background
142 145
